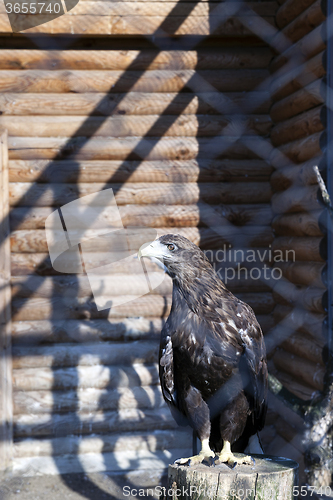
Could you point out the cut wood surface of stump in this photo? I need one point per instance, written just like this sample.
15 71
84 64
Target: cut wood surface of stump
272 478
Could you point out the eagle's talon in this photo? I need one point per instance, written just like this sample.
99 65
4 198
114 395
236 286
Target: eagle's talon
233 465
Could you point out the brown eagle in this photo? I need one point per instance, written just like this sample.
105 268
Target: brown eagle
212 359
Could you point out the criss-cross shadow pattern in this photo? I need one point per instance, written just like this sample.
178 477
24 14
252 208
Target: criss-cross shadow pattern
211 148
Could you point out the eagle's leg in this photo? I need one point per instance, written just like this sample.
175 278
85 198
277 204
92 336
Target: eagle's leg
226 455
206 454
199 418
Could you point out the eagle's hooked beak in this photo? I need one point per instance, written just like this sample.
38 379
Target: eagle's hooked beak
155 251
152 249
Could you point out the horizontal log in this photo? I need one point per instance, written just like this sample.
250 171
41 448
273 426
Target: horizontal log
299 248
138 60
291 78
85 377
160 215
39 264
307 47
56 331
119 284
152 171
111 353
85 400
298 151
133 103
295 175
136 126
27 194
147 306
300 224
306 21
130 25
304 99
104 443
290 10
131 148
63 81
299 126
302 391
304 371
57 425
296 199
304 273
300 320
30 241
290 433
307 348
53 331
169 9
309 298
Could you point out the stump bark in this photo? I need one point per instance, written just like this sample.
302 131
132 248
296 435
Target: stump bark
272 478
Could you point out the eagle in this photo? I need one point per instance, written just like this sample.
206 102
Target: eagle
212 358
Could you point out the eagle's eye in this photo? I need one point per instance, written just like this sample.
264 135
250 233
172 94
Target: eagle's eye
171 247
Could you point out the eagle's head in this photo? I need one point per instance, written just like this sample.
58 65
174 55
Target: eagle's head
180 258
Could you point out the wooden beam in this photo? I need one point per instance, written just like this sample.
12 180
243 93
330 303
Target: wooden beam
64 81
304 99
65 424
305 371
290 10
297 151
291 78
6 410
84 308
309 46
138 126
139 171
299 248
304 273
297 127
299 224
130 25
295 175
30 241
305 22
296 199
26 194
300 320
305 347
137 60
309 298
133 148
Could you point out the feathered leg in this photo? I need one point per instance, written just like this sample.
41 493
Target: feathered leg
197 412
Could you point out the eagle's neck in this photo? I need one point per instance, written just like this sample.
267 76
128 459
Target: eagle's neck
200 294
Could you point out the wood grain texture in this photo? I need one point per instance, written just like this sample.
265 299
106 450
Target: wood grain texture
305 347
290 10
26 194
295 175
137 60
306 372
296 199
58 425
298 319
309 298
133 103
133 148
304 99
139 171
291 78
147 306
299 224
297 127
299 248
298 151
307 47
303 273
142 126
6 408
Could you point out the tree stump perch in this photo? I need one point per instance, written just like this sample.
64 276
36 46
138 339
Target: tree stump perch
272 478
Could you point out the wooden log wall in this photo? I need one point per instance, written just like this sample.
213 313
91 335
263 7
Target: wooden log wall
163 129
297 342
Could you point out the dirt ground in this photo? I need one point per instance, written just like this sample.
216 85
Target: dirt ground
96 486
